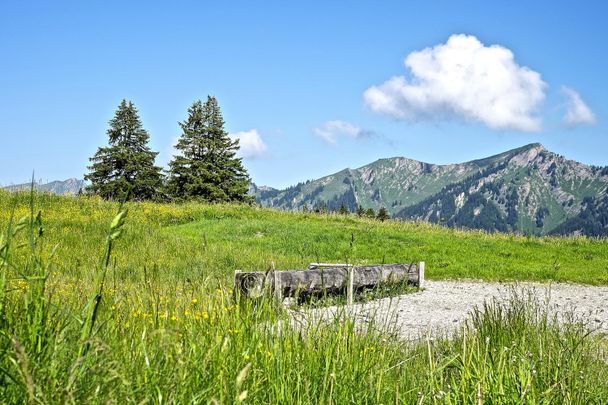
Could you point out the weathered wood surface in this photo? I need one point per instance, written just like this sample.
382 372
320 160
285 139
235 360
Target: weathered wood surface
318 265
329 280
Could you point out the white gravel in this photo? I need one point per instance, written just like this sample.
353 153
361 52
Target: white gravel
443 306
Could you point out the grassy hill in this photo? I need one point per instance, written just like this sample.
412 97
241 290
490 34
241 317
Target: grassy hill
194 240
149 316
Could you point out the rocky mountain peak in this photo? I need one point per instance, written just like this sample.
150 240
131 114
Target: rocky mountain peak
528 154
527 190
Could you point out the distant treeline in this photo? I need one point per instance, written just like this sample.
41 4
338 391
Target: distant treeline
322 207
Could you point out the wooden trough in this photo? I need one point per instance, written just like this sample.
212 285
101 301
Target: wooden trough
325 278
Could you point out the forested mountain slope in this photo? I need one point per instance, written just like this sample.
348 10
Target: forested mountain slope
526 190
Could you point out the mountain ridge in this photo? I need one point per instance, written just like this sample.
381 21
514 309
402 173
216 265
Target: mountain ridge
526 190
69 186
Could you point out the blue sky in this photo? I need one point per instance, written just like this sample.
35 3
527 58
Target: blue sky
306 86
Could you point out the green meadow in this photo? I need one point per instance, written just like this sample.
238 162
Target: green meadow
96 308
208 242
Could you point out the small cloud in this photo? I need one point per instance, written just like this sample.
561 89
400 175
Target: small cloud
463 78
331 130
578 113
251 144
169 152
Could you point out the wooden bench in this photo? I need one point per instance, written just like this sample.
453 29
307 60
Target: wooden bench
328 278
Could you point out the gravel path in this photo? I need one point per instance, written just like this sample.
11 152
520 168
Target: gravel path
444 305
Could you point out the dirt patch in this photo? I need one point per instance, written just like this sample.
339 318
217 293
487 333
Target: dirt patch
444 305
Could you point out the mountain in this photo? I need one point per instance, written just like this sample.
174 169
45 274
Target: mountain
262 192
526 190
592 221
69 186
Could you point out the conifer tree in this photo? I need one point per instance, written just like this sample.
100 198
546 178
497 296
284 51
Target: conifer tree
382 214
126 166
360 211
343 209
370 213
206 167
320 207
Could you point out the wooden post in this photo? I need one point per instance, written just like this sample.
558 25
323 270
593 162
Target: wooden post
349 289
421 276
277 286
236 289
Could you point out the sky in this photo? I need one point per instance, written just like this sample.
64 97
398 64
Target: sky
309 88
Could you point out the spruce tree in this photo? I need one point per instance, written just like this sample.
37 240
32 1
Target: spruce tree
360 211
370 213
206 167
320 207
125 168
382 214
343 209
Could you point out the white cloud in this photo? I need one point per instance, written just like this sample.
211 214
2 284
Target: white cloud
331 130
578 112
251 144
463 78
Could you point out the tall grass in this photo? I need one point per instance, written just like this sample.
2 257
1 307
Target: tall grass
96 333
